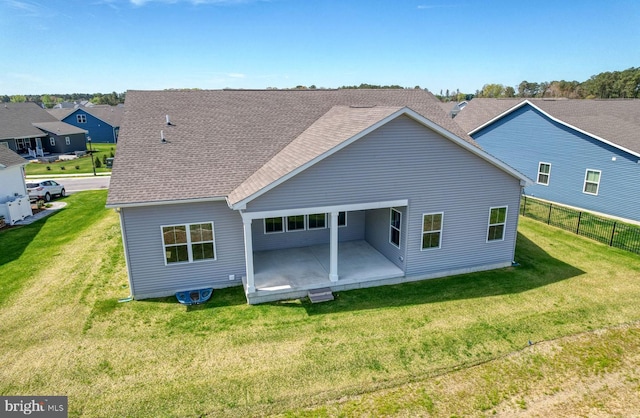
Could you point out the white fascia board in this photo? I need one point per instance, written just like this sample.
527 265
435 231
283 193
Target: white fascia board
324 209
560 121
165 202
500 116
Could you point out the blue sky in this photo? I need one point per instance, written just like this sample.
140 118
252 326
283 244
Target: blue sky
89 46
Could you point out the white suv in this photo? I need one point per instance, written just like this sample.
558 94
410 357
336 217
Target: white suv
45 189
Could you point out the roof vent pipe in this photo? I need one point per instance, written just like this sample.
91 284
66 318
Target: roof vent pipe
169 121
164 141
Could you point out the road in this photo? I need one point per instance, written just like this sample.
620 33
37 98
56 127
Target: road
72 184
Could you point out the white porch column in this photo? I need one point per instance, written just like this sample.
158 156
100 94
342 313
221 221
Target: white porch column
333 248
248 254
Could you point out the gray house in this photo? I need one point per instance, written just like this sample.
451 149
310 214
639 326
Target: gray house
28 129
287 191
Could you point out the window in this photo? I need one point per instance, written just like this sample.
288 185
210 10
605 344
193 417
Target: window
273 225
52 141
81 118
544 173
295 223
317 221
5 144
342 218
497 222
188 243
395 222
67 140
592 182
431 230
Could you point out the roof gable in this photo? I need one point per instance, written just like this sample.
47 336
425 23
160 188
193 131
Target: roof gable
613 122
335 130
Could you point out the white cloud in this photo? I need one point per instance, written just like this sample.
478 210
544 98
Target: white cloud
236 75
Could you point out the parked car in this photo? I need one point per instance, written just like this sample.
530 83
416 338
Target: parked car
45 189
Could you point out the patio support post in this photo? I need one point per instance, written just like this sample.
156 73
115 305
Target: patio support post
248 254
333 248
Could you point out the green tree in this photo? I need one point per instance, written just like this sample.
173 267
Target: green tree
18 98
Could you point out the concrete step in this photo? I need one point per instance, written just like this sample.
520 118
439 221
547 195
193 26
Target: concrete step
320 295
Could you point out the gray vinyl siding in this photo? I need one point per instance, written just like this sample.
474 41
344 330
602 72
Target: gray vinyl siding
377 234
261 241
405 160
149 275
77 143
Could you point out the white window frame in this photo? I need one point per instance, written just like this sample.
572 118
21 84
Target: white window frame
540 173
81 118
432 231
309 227
304 223
67 140
504 224
189 243
392 227
274 232
52 141
584 185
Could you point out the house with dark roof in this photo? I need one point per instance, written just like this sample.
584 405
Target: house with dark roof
14 199
285 192
582 153
102 122
28 129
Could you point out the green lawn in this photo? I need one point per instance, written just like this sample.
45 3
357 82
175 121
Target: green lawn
446 347
83 163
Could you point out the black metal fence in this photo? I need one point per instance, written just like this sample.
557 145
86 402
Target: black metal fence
608 231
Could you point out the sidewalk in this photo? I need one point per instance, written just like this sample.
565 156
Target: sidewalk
46 212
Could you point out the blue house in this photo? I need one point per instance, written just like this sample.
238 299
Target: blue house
285 192
102 122
581 153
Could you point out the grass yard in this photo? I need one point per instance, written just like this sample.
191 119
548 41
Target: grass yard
457 346
84 163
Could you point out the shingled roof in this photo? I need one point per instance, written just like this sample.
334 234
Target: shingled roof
16 120
59 128
615 121
219 140
9 158
109 114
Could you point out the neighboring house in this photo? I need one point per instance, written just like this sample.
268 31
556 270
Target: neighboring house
582 153
102 122
18 131
62 138
14 199
288 191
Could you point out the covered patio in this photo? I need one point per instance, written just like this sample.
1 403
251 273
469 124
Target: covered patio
291 273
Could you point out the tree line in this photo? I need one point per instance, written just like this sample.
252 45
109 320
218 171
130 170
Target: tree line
607 85
50 100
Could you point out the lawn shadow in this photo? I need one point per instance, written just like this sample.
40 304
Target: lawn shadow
537 269
229 296
14 240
